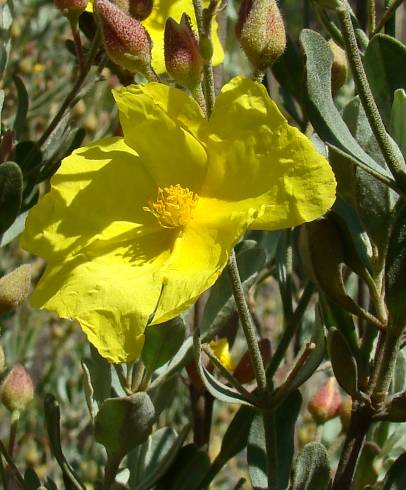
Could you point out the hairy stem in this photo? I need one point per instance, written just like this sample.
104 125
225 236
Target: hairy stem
247 324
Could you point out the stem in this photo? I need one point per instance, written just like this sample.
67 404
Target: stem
13 467
385 369
354 441
74 91
391 9
78 43
371 16
247 324
204 30
271 444
198 95
3 474
110 470
258 75
138 373
378 128
15 416
301 361
290 330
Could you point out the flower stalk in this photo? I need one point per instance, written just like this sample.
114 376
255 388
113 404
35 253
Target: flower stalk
247 324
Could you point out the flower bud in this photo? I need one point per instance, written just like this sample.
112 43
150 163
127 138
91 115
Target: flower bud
261 32
182 56
71 7
14 288
325 404
17 390
126 41
140 9
339 68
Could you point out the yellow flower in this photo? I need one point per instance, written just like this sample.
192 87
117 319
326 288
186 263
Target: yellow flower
155 24
150 219
221 350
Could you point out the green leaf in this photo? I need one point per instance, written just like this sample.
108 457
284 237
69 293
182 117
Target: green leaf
395 478
398 120
219 390
187 471
250 259
123 423
11 189
282 427
312 468
154 457
31 479
399 376
256 455
53 421
162 342
385 66
343 362
14 230
97 381
373 199
321 108
22 107
395 273
234 441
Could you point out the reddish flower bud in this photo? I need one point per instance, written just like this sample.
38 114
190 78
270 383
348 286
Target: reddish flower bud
17 390
71 6
182 56
140 9
261 32
339 68
126 41
325 404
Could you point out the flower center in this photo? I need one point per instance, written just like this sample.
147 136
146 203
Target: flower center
173 207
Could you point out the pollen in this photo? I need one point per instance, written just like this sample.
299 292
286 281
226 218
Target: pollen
173 207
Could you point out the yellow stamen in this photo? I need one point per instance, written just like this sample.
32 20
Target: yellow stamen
173 207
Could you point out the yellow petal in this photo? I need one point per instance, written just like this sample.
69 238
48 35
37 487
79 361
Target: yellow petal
111 298
261 164
88 205
162 125
104 251
221 350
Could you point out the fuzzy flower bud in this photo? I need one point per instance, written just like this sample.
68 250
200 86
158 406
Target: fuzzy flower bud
71 7
325 404
14 288
339 68
140 9
261 32
126 41
17 390
182 56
